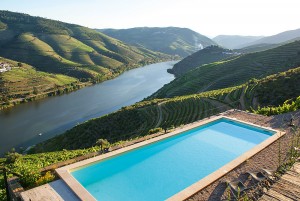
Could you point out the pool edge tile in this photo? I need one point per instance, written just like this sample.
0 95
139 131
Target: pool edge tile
75 186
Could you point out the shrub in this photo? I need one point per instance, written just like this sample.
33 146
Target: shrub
48 177
287 106
12 156
2 195
103 143
155 130
30 176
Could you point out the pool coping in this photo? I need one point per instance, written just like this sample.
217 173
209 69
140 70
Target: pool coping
83 194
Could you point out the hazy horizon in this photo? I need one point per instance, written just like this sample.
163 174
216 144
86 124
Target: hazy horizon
207 17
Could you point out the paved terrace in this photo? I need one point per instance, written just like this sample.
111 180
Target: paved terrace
267 158
287 188
53 191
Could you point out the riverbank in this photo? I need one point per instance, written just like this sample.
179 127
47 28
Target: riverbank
60 90
33 97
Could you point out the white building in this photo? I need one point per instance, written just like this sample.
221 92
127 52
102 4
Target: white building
4 67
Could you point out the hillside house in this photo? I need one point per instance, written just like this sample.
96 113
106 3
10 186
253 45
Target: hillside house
4 67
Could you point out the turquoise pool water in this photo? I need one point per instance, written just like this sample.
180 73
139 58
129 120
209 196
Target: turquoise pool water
162 169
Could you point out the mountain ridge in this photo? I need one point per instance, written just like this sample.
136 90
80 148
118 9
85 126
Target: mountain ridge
169 40
276 39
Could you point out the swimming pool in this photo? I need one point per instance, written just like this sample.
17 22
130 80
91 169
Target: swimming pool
161 169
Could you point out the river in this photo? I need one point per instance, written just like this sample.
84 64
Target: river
33 122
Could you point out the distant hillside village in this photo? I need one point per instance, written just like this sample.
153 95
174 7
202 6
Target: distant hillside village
232 53
4 67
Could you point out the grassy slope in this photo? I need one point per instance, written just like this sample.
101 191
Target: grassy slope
25 82
69 49
205 56
137 120
233 72
170 40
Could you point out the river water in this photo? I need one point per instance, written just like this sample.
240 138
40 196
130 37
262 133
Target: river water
33 122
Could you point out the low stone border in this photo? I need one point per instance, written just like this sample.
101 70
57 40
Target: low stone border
15 189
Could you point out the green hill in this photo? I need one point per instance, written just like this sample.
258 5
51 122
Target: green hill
23 83
234 41
169 40
233 72
205 56
137 120
68 49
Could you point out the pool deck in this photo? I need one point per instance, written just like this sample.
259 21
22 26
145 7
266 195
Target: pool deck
212 189
287 188
53 191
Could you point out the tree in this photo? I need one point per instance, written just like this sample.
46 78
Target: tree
102 143
12 156
35 90
164 127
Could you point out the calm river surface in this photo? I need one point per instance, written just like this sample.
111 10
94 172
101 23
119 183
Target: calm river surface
21 125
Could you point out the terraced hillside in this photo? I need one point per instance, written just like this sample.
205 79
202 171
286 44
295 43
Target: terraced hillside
233 72
137 120
169 40
24 83
73 50
205 56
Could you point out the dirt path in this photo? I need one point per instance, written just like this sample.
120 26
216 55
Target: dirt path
159 110
242 100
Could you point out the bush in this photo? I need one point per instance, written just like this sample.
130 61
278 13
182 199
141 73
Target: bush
12 156
2 187
2 195
30 176
103 143
287 106
155 130
48 177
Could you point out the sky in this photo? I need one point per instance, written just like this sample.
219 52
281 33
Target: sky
208 17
